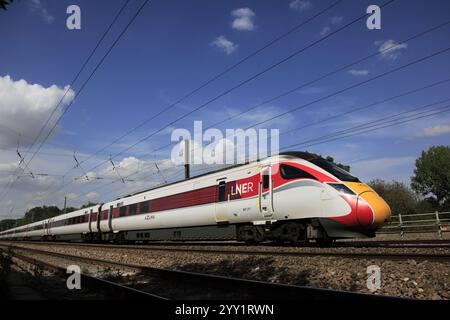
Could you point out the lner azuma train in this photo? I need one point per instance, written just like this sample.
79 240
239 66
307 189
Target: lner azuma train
293 197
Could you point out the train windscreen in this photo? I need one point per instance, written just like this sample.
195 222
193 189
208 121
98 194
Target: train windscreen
336 171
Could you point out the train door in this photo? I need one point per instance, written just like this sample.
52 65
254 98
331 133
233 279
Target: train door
99 216
48 227
266 192
90 220
221 205
110 216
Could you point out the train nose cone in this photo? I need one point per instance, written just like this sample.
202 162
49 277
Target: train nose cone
371 209
380 209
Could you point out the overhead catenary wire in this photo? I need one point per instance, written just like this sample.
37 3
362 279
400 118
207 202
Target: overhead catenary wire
242 83
352 110
218 76
362 126
424 58
363 129
358 84
383 74
82 87
310 82
36 138
380 75
274 98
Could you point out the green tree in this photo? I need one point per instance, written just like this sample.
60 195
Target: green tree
87 205
68 210
7 224
431 177
398 196
41 213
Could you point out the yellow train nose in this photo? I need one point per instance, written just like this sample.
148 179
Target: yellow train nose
380 208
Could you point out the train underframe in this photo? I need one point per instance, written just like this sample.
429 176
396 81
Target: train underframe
320 231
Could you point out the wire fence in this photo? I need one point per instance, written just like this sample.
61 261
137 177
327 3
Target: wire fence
418 223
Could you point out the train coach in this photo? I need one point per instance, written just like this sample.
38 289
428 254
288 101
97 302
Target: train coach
293 197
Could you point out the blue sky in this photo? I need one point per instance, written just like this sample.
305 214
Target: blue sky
172 48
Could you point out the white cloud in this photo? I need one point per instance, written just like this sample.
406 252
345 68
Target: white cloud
434 131
37 7
300 5
325 31
125 167
25 107
92 195
359 72
224 44
336 20
72 196
390 49
243 19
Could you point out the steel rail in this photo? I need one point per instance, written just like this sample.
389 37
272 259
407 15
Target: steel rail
350 255
109 288
258 289
425 243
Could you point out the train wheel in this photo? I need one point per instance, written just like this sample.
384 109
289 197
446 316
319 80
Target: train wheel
293 232
250 234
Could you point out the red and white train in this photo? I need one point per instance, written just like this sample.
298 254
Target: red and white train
294 197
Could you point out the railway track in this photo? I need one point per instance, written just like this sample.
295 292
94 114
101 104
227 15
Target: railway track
353 244
95 284
441 257
237 286
396 244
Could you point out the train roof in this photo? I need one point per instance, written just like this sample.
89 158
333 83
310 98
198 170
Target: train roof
302 155
296 154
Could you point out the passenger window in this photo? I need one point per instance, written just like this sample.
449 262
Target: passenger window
290 172
123 211
132 209
266 181
222 186
144 207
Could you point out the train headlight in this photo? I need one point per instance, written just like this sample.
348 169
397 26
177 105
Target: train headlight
342 188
